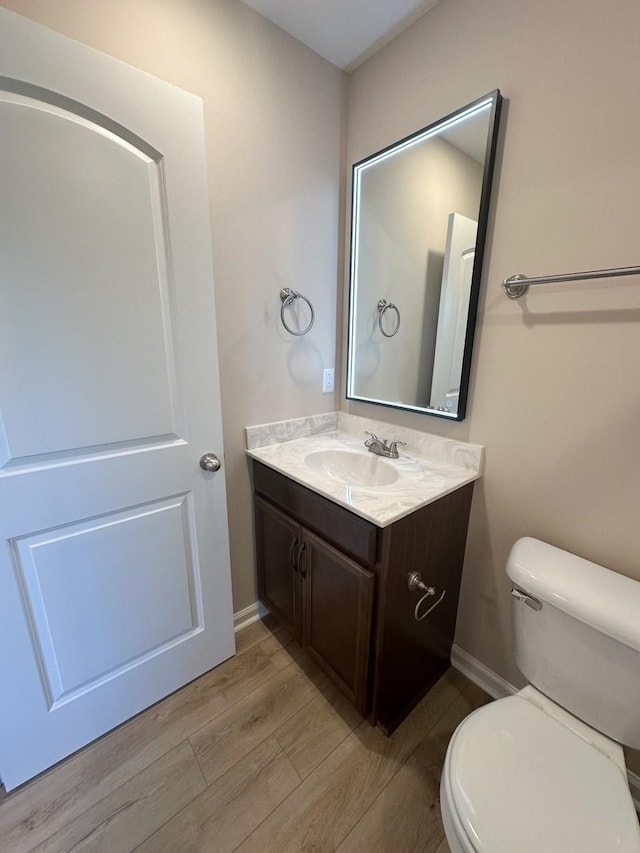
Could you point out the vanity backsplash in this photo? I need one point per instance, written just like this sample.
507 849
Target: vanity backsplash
435 447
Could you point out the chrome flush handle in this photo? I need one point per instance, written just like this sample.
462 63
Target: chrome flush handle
527 599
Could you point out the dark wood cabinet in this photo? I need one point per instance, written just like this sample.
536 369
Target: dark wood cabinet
338 608
339 584
322 596
277 544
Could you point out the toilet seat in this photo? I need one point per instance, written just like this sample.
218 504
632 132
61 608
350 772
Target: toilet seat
516 779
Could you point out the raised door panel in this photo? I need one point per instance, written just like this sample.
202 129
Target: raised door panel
278 543
338 600
83 226
104 594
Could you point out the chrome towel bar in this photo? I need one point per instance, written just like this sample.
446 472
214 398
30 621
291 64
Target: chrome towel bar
517 285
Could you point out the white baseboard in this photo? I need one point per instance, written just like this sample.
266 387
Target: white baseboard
498 688
250 614
486 678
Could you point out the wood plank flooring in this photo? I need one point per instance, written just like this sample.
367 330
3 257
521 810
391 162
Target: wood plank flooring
261 755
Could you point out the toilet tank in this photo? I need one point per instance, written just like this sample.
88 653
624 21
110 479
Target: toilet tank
581 647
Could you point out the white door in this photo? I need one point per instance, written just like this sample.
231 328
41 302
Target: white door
453 312
114 563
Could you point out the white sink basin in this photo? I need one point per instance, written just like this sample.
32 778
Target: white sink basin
352 468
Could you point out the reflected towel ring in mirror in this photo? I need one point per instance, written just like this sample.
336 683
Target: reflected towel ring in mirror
383 306
288 297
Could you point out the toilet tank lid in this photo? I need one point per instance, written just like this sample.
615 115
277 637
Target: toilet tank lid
599 597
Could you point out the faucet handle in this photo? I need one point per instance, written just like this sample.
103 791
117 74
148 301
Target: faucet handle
393 447
372 437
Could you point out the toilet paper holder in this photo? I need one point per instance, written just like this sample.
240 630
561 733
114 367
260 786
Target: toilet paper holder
414 581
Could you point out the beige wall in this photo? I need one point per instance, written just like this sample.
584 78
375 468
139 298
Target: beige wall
273 114
555 389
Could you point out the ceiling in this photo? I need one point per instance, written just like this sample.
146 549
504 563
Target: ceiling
346 32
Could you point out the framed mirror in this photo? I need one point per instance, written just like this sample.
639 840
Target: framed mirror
418 226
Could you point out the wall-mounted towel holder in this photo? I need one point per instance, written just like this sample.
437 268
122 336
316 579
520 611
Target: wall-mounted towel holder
288 297
517 285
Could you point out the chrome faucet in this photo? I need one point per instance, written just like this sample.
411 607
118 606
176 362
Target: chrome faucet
382 447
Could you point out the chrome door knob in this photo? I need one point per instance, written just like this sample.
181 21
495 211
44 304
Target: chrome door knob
210 462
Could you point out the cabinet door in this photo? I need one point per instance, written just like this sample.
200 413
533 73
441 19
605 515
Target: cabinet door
278 542
338 598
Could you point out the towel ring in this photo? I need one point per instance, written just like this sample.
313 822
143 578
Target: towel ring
383 306
288 297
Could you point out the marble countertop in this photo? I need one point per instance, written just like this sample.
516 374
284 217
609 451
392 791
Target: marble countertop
431 468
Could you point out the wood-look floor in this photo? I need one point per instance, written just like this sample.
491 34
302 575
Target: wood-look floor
260 755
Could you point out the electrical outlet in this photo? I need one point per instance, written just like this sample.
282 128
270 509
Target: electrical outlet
328 380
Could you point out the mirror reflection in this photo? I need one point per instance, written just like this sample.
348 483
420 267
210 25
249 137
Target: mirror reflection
419 216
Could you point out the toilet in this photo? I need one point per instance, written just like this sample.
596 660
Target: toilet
543 770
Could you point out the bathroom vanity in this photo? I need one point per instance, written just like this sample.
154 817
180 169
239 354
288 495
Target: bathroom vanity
338 533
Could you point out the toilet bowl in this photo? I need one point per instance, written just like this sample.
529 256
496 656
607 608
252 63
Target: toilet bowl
530 773
521 776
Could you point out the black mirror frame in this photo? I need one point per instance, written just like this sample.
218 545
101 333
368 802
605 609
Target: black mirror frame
496 99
